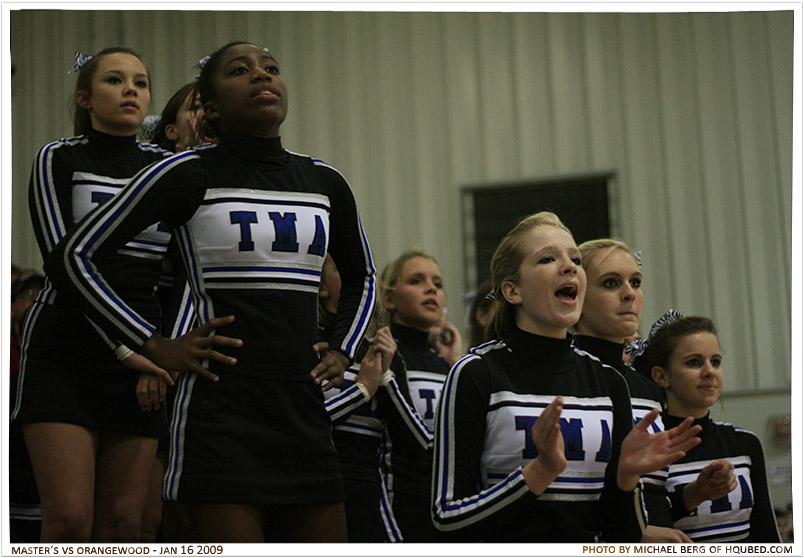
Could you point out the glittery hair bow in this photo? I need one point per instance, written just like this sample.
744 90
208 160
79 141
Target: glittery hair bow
638 347
201 64
638 258
149 126
80 60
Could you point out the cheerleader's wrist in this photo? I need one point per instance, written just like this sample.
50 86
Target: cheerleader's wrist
122 352
364 390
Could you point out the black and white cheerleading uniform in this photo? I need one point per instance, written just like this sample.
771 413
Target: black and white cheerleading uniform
489 404
427 369
359 428
407 467
177 317
746 513
645 396
69 372
253 223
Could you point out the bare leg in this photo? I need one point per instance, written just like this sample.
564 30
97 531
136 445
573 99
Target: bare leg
123 468
175 525
152 517
63 459
241 523
308 523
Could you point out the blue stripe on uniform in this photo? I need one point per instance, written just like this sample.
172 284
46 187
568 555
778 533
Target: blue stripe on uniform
100 227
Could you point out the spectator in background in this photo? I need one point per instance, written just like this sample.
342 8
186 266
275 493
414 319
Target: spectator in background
783 522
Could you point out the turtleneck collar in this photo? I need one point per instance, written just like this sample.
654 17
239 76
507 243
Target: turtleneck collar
410 336
262 150
607 351
671 421
552 353
115 146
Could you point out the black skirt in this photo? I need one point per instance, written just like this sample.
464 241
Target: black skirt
251 441
69 374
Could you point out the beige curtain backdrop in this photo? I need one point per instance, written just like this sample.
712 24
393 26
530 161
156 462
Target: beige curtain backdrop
691 111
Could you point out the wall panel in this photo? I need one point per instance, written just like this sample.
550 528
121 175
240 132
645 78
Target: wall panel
359 114
646 160
461 64
684 190
535 141
722 179
426 85
493 79
761 194
779 38
607 114
567 65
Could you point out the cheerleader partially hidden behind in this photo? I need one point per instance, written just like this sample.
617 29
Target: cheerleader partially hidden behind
370 408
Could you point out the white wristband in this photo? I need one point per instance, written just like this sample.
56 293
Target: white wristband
364 390
122 352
